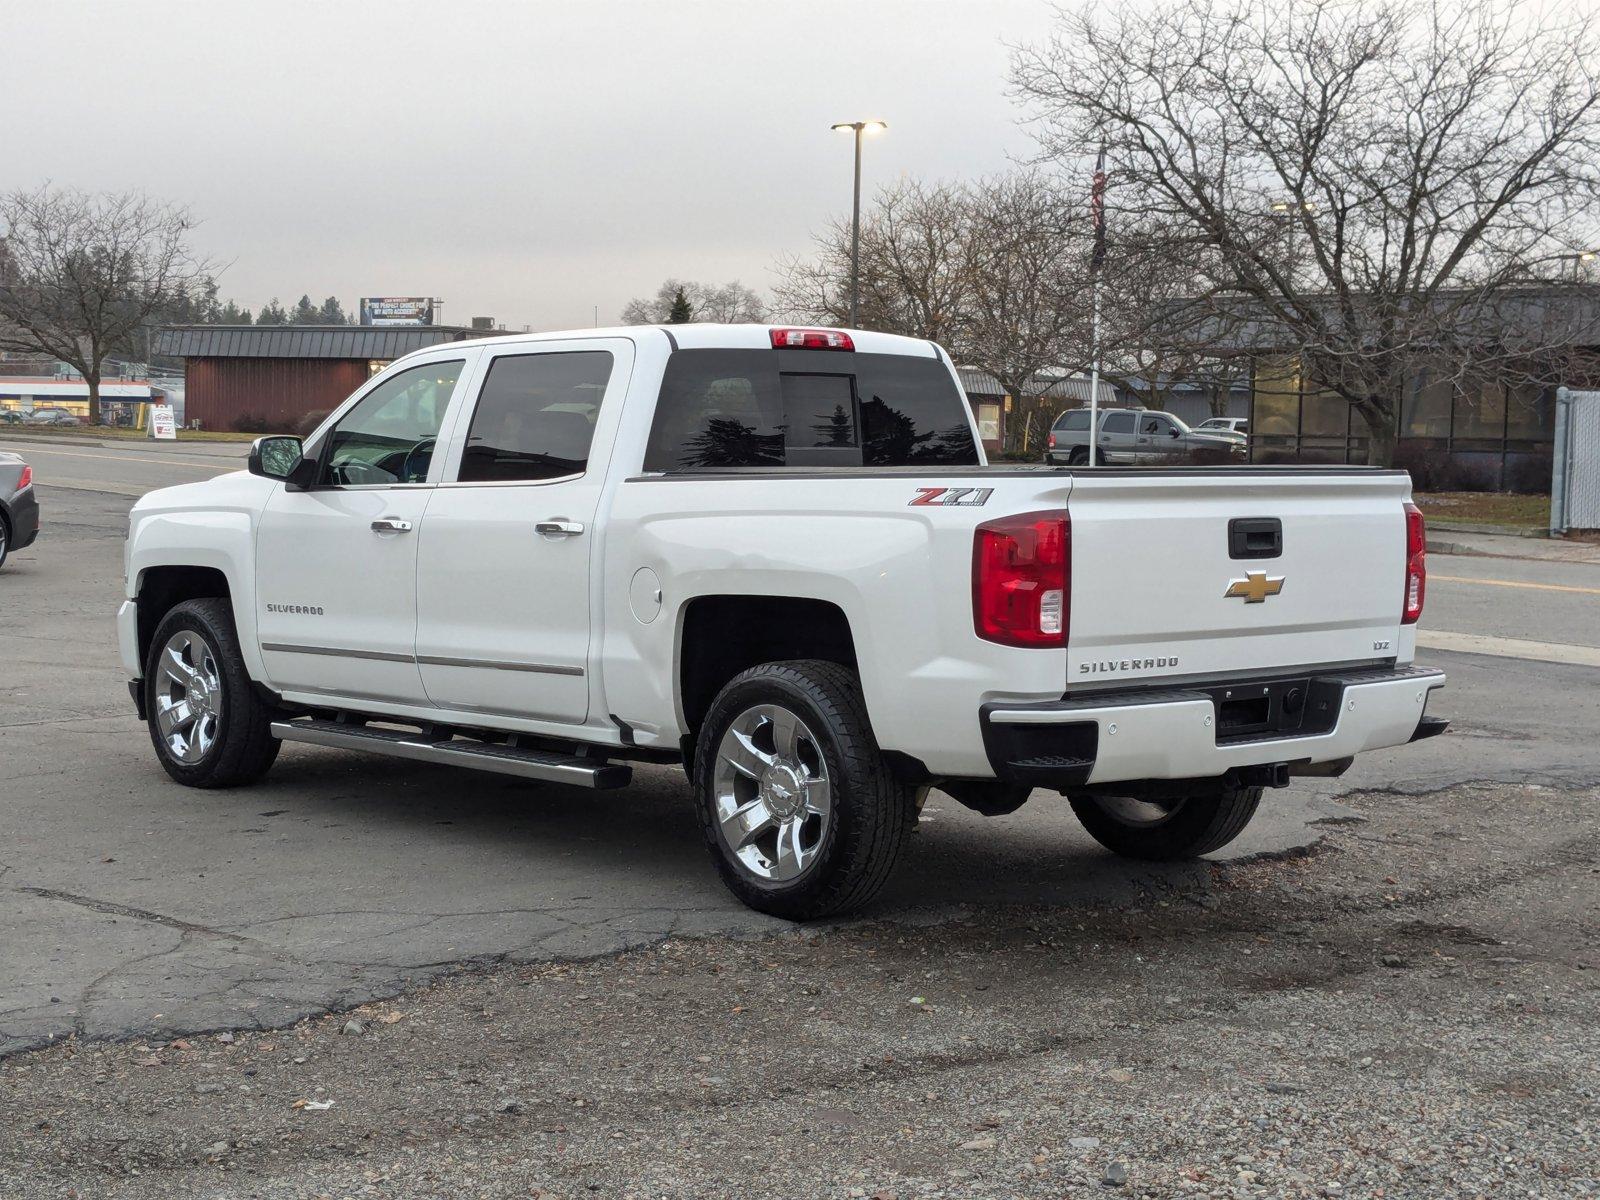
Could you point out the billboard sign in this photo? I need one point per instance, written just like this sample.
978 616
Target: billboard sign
397 310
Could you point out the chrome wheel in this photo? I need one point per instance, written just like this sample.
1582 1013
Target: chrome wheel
188 697
773 796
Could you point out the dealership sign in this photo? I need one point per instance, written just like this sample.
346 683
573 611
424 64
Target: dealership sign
162 424
397 310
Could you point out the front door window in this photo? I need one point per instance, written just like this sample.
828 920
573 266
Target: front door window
388 437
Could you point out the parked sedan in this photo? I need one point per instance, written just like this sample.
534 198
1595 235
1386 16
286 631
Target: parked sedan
52 416
19 507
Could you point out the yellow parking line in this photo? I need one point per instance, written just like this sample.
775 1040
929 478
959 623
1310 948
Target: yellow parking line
140 458
1513 583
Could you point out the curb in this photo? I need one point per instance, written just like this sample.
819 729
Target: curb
1441 546
22 440
1526 531
1436 546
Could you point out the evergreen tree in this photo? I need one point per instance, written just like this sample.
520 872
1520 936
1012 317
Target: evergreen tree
682 311
305 313
272 313
231 314
332 312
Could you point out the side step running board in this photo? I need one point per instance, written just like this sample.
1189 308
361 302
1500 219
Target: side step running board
507 760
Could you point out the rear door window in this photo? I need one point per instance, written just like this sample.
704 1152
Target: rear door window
535 417
773 408
1077 419
1118 422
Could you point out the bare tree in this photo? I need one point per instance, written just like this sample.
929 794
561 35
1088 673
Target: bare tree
998 271
83 272
1161 332
914 240
1366 178
1025 298
727 303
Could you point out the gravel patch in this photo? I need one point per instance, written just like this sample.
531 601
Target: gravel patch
1411 1010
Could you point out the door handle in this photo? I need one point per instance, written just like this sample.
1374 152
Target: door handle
559 527
391 525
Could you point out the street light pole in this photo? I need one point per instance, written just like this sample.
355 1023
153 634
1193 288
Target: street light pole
858 128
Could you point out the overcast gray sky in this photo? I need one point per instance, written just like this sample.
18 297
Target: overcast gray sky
527 159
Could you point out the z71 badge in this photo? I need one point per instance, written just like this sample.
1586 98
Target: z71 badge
952 497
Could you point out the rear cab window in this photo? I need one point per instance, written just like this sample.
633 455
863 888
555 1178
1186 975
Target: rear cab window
1076 419
805 408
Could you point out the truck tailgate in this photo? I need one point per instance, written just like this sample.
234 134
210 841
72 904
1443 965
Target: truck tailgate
1159 589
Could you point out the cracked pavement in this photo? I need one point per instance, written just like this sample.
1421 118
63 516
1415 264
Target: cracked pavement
134 907
1013 988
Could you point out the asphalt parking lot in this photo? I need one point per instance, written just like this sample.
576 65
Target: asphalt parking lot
1389 983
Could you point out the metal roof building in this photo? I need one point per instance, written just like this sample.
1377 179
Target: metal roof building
1071 390
271 377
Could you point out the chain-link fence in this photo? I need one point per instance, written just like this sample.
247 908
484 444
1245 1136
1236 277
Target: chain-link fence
1575 483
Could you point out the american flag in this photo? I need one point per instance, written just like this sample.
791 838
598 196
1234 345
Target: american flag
1097 208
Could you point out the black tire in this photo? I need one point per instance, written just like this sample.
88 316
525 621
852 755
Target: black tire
242 748
872 812
5 539
1195 824
1078 457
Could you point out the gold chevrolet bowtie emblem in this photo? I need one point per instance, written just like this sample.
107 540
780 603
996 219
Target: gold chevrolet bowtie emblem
1255 587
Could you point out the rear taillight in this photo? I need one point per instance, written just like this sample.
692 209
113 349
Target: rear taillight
1022 579
1416 564
26 479
811 339
1052 442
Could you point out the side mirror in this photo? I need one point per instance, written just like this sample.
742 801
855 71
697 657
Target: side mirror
275 457
1172 431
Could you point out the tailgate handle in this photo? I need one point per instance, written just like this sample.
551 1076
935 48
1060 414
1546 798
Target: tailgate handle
1255 537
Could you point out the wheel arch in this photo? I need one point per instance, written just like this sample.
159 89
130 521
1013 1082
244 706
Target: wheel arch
177 555
161 588
723 634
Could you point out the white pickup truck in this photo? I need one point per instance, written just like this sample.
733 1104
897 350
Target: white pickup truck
777 557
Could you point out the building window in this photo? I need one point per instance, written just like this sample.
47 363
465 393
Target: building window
989 422
1530 413
1276 419
1425 410
1480 411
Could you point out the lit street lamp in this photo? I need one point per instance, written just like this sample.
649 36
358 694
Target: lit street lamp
858 127
1578 259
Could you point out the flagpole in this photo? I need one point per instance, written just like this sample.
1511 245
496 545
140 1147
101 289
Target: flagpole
1094 372
1097 208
